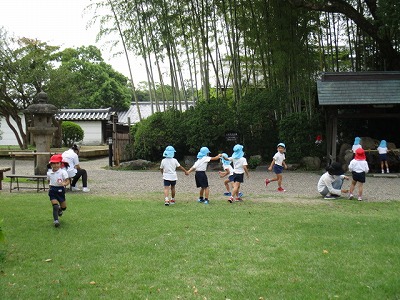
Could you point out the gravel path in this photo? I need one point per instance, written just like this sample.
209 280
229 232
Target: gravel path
300 186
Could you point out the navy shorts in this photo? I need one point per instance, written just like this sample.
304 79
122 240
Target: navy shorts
359 177
169 182
383 157
201 179
231 177
278 169
57 193
238 177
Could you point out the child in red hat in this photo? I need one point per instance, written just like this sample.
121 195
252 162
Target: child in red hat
358 167
58 180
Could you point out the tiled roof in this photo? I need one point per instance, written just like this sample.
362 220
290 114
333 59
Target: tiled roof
145 111
359 88
101 114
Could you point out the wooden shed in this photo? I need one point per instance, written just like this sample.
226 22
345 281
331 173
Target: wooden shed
370 96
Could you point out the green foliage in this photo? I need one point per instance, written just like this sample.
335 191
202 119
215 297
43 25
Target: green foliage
207 124
254 161
298 131
257 121
152 135
204 125
84 80
71 133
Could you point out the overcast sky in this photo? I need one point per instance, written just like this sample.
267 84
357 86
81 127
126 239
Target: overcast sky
59 23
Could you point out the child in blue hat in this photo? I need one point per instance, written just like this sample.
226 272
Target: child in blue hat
277 164
228 171
168 169
383 150
200 176
239 169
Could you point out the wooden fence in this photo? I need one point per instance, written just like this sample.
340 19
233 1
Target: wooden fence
121 148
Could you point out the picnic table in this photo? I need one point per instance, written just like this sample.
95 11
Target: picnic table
20 154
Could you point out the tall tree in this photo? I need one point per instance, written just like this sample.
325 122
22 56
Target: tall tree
24 71
379 20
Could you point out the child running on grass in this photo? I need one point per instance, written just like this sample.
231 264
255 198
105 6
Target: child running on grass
358 167
168 169
200 176
58 180
239 168
277 164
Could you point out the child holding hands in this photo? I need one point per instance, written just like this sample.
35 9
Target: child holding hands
168 169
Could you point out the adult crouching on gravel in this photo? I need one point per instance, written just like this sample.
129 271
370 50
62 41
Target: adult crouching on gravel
71 156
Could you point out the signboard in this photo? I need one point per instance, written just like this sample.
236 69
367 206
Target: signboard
231 137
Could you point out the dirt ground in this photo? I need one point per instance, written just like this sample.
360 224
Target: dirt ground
300 186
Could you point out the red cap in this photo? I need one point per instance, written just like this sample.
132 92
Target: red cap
360 154
56 158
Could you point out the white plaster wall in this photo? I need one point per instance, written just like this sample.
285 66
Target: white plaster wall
92 133
7 136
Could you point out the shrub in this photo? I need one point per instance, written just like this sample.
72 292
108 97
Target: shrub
71 133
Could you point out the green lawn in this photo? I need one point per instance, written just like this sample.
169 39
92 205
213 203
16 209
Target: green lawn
119 248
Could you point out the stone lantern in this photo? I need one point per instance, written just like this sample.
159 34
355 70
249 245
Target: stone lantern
42 130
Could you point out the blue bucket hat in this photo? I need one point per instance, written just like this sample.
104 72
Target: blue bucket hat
383 144
238 151
203 152
225 161
169 152
357 141
281 145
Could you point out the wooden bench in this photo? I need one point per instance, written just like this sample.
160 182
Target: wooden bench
38 178
2 176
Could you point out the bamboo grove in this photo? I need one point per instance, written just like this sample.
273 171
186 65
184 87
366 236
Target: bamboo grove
226 49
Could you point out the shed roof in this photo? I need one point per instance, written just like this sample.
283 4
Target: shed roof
359 88
100 114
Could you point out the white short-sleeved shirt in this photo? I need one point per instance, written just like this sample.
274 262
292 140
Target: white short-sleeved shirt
72 159
229 168
358 166
279 158
169 166
202 163
58 177
238 164
382 150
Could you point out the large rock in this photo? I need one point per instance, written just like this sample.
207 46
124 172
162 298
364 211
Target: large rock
139 164
311 163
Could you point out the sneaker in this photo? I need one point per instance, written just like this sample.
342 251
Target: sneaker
200 200
206 202
267 181
60 212
383 172
172 201
351 197
227 194
238 200
75 189
240 195
166 203
85 189
56 223
230 200
280 189
329 196
359 199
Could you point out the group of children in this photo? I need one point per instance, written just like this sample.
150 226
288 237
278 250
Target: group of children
235 174
330 184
